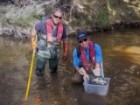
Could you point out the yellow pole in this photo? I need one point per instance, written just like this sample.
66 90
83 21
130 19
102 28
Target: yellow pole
30 73
30 76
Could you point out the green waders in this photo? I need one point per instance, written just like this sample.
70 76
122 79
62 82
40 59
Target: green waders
47 52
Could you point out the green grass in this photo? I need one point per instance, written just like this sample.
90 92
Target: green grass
103 19
25 21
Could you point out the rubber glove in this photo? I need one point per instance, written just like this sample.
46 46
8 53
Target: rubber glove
33 42
65 50
86 77
96 72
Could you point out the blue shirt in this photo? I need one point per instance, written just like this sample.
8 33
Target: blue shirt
98 56
42 28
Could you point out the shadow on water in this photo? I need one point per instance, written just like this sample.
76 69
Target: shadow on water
121 51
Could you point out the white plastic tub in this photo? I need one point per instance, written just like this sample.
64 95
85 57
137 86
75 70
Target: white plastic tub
96 88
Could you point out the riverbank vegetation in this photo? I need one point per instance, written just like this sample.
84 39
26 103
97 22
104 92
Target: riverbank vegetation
19 16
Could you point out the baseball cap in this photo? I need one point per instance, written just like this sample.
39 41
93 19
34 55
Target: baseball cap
81 36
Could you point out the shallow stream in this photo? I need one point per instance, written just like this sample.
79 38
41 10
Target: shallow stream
121 51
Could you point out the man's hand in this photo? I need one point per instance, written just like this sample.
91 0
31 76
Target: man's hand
83 72
97 71
86 77
33 42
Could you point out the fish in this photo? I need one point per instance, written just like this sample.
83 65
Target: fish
99 81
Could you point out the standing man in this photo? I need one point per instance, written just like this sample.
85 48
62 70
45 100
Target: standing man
50 33
87 58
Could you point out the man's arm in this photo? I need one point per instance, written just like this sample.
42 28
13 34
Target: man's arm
65 44
76 61
98 55
37 27
33 38
65 49
34 32
98 59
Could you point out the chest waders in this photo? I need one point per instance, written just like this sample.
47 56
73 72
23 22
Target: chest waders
47 52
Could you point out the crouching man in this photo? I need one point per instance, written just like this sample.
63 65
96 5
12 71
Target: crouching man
87 59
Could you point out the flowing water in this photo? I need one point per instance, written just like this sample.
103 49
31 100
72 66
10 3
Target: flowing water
121 51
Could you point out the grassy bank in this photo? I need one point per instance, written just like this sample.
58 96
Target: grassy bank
85 15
